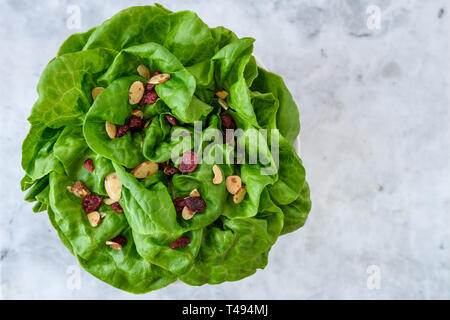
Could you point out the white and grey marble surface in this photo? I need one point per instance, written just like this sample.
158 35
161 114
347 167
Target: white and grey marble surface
374 108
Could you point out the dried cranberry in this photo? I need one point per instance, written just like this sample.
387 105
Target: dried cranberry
149 97
156 73
117 207
188 162
171 171
172 120
180 242
179 204
195 204
150 86
120 239
122 130
227 121
91 202
89 164
135 122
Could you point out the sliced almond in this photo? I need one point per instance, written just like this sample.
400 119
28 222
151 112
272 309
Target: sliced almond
159 78
222 94
136 92
113 186
138 113
94 218
145 169
102 215
218 177
147 123
96 91
143 71
79 189
194 194
233 183
114 245
187 214
111 129
108 201
223 103
240 195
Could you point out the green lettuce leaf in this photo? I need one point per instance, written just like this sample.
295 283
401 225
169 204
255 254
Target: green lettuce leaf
234 248
73 221
75 42
38 158
183 33
158 251
65 87
113 106
296 213
126 269
157 57
287 115
146 217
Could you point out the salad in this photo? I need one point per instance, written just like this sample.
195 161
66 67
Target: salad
161 151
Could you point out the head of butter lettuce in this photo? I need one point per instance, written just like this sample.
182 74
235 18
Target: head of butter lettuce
112 196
